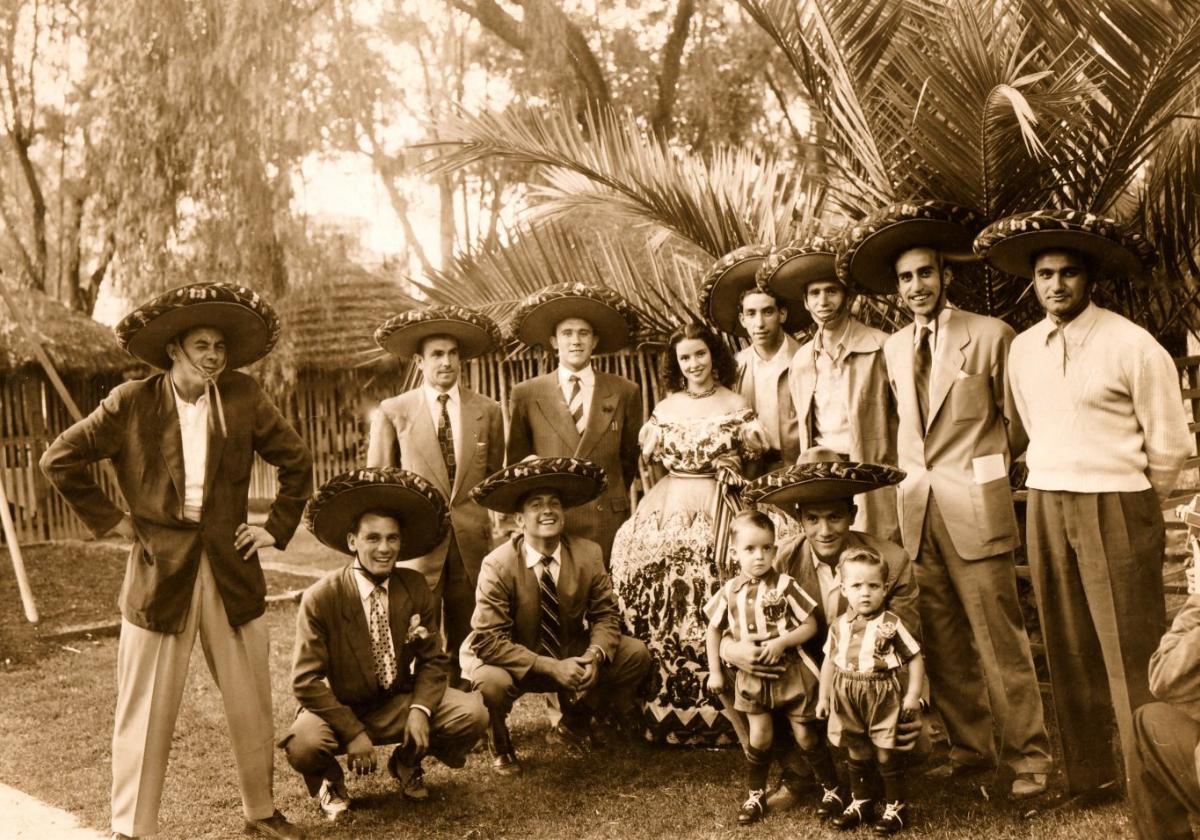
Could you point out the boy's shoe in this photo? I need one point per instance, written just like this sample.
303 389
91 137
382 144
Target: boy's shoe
276 826
831 803
1028 784
892 819
411 779
858 812
332 799
754 808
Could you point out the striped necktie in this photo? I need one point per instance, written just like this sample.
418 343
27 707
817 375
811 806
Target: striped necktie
445 435
551 635
922 363
381 639
575 403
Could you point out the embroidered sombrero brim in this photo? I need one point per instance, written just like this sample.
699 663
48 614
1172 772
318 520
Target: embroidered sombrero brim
421 510
866 255
402 335
787 271
722 286
1012 243
248 322
612 319
576 481
827 481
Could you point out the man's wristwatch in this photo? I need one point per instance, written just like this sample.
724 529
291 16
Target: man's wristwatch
599 656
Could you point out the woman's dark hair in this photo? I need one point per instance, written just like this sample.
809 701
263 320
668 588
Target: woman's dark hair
724 368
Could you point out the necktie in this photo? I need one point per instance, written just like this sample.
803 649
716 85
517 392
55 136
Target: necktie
922 363
575 403
551 624
381 639
445 434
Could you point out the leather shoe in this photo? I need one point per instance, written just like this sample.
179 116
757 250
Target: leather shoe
504 758
411 779
506 764
951 770
276 826
332 799
858 812
1026 785
574 740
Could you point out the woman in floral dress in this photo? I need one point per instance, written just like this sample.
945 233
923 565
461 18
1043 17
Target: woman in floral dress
664 560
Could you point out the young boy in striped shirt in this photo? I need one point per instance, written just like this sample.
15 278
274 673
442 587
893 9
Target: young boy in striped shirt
769 608
860 688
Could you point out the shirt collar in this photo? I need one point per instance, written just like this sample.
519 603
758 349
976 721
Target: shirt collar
1076 331
366 586
532 558
587 376
432 394
939 323
180 402
771 578
833 345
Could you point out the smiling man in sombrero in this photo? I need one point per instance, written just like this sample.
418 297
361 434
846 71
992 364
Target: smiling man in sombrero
1107 438
183 443
838 380
576 411
369 668
546 618
732 299
449 435
958 431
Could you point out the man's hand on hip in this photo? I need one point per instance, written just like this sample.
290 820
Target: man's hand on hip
250 538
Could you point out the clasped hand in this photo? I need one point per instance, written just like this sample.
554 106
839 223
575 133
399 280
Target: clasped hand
577 673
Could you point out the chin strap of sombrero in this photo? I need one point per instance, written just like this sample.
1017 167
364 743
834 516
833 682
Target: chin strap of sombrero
210 389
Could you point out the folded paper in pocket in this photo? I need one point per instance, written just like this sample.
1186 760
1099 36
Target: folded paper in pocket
989 468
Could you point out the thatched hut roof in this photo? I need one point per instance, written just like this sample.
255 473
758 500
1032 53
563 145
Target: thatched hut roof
75 343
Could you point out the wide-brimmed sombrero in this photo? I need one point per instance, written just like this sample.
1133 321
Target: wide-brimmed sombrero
722 286
610 316
1011 243
422 511
820 477
575 480
787 271
867 251
248 322
401 335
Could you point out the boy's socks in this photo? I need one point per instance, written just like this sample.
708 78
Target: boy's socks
820 760
758 763
860 778
894 787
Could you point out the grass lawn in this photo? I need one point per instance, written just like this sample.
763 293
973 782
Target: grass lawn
56 709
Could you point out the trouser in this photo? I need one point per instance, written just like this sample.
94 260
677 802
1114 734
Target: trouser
614 688
455 600
1096 560
458 722
151 671
977 654
1164 787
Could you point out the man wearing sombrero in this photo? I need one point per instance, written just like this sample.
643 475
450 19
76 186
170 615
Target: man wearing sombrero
734 302
449 435
576 411
958 430
183 443
838 380
369 668
1108 436
546 619
820 492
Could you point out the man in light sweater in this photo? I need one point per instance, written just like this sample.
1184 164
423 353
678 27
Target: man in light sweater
1101 403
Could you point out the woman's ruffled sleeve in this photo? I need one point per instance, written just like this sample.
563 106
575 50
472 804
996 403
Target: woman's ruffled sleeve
650 438
751 437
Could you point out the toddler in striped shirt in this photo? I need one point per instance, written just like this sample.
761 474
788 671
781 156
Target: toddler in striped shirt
860 688
769 608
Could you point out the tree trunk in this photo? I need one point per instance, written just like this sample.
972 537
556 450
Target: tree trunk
663 121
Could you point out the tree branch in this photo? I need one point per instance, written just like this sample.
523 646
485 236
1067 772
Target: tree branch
668 75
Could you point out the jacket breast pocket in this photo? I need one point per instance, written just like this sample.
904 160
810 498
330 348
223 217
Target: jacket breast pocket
970 397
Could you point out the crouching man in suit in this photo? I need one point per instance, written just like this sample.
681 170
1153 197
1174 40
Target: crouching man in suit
369 668
545 614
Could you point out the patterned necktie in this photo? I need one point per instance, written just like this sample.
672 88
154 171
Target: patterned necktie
381 639
551 624
445 434
922 363
575 403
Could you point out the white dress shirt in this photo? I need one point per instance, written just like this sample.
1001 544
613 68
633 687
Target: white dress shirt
453 408
587 384
830 393
193 429
829 578
533 560
766 373
365 587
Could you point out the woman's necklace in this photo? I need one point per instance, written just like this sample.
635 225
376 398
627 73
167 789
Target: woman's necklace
712 390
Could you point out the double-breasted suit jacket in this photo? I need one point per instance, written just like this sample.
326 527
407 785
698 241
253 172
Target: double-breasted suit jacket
971 417
541 425
507 620
789 430
870 410
333 667
403 435
137 428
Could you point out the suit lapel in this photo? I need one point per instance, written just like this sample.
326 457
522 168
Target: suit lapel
360 634
745 380
216 445
600 414
425 441
947 363
399 608
471 418
553 407
170 436
568 586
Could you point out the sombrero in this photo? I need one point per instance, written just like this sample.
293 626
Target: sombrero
722 285
787 271
613 320
866 254
577 482
1011 244
422 511
401 335
250 325
820 477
